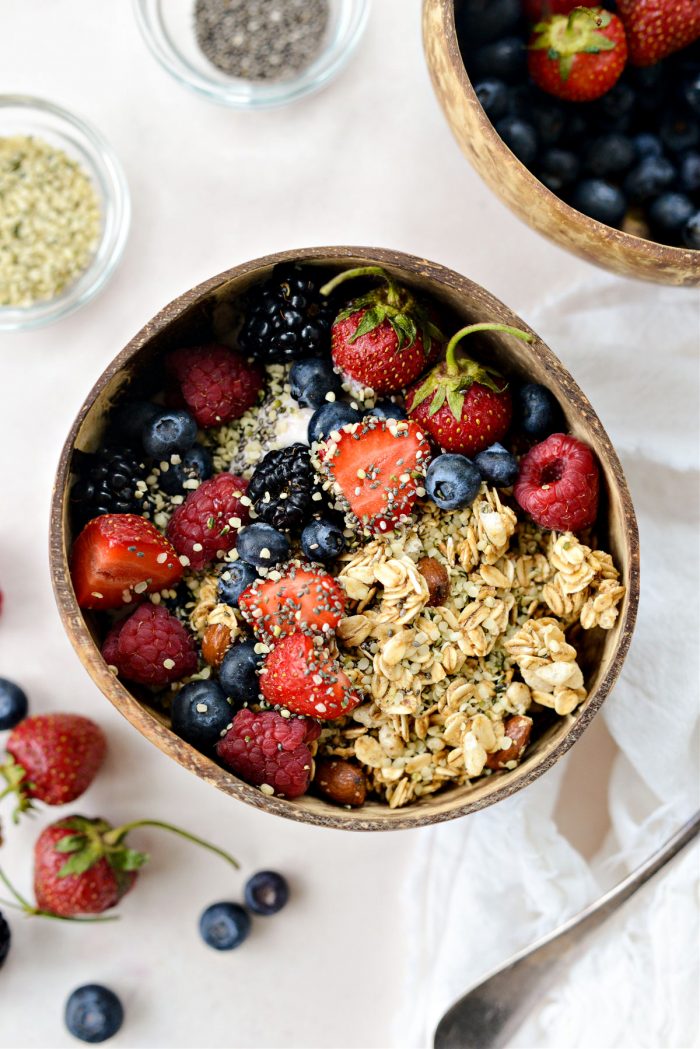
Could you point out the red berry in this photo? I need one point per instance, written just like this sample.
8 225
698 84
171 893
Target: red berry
60 755
151 647
580 56
116 557
207 523
217 384
377 465
268 749
302 676
306 598
558 484
657 28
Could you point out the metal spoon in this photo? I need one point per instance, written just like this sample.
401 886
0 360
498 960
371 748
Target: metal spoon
489 1014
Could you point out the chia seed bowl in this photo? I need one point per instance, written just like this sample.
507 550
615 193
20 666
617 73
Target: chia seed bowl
76 142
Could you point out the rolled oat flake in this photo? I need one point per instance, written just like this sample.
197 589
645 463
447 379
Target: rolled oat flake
261 39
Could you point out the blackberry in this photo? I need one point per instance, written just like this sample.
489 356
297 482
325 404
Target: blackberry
282 488
4 940
286 317
107 484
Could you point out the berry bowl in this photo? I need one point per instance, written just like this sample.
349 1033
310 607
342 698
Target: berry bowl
394 624
620 250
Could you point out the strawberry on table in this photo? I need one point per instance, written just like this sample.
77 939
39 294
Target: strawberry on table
118 557
464 406
580 56
206 525
52 758
383 339
657 28
378 467
558 484
296 597
151 647
302 676
216 383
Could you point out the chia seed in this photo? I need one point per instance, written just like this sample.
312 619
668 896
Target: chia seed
260 39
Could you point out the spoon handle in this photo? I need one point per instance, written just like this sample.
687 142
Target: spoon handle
486 1016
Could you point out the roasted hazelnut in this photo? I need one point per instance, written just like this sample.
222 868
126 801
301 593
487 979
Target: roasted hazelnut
437 579
517 729
216 643
341 782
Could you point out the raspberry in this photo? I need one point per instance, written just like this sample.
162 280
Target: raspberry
268 749
151 647
209 519
558 484
217 384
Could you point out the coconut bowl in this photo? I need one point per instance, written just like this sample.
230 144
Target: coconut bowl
464 302
620 252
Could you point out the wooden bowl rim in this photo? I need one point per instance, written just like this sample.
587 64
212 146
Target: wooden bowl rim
680 259
171 744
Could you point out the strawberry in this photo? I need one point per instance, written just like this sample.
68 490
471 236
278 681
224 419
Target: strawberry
117 557
304 597
377 466
216 383
302 676
383 339
52 758
464 406
657 28
580 56
536 10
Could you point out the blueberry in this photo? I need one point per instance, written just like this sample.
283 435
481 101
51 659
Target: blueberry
609 154
505 59
224 926
170 431
497 466
601 200
679 131
691 92
311 380
493 96
537 411
558 168
266 892
93 1013
520 137
647 145
195 465
234 578
452 481
388 410
262 545
616 104
5 940
480 21
669 213
689 173
549 120
200 712
649 178
130 417
691 232
322 540
238 673
13 704
331 416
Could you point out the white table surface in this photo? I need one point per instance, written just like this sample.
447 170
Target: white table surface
369 160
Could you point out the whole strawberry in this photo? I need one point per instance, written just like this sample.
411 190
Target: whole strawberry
384 339
657 28
216 383
580 56
462 405
52 758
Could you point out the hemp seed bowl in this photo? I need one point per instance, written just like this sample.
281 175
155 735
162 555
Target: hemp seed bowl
65 215
517 630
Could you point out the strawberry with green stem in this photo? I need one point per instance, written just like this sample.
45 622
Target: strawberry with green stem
383 339
464 406
580 56
657 28
84 866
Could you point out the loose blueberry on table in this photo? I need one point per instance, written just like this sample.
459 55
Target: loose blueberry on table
600 101
93 1013
344 552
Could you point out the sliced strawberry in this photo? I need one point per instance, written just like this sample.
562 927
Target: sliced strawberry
117 557
302 676
306 598
377 466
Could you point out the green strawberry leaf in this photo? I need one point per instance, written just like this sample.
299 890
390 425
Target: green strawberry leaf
603 43
424 391
404 329
371 320
565 66
455 400
71 843
438 400
82 861
124 859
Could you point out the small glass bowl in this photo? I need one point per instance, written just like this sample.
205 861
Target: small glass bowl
23 115
168 28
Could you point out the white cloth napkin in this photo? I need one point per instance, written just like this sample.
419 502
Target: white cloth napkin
485 886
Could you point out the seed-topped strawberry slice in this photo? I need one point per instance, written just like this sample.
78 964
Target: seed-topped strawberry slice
118 557
301 675
296 597
377 466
